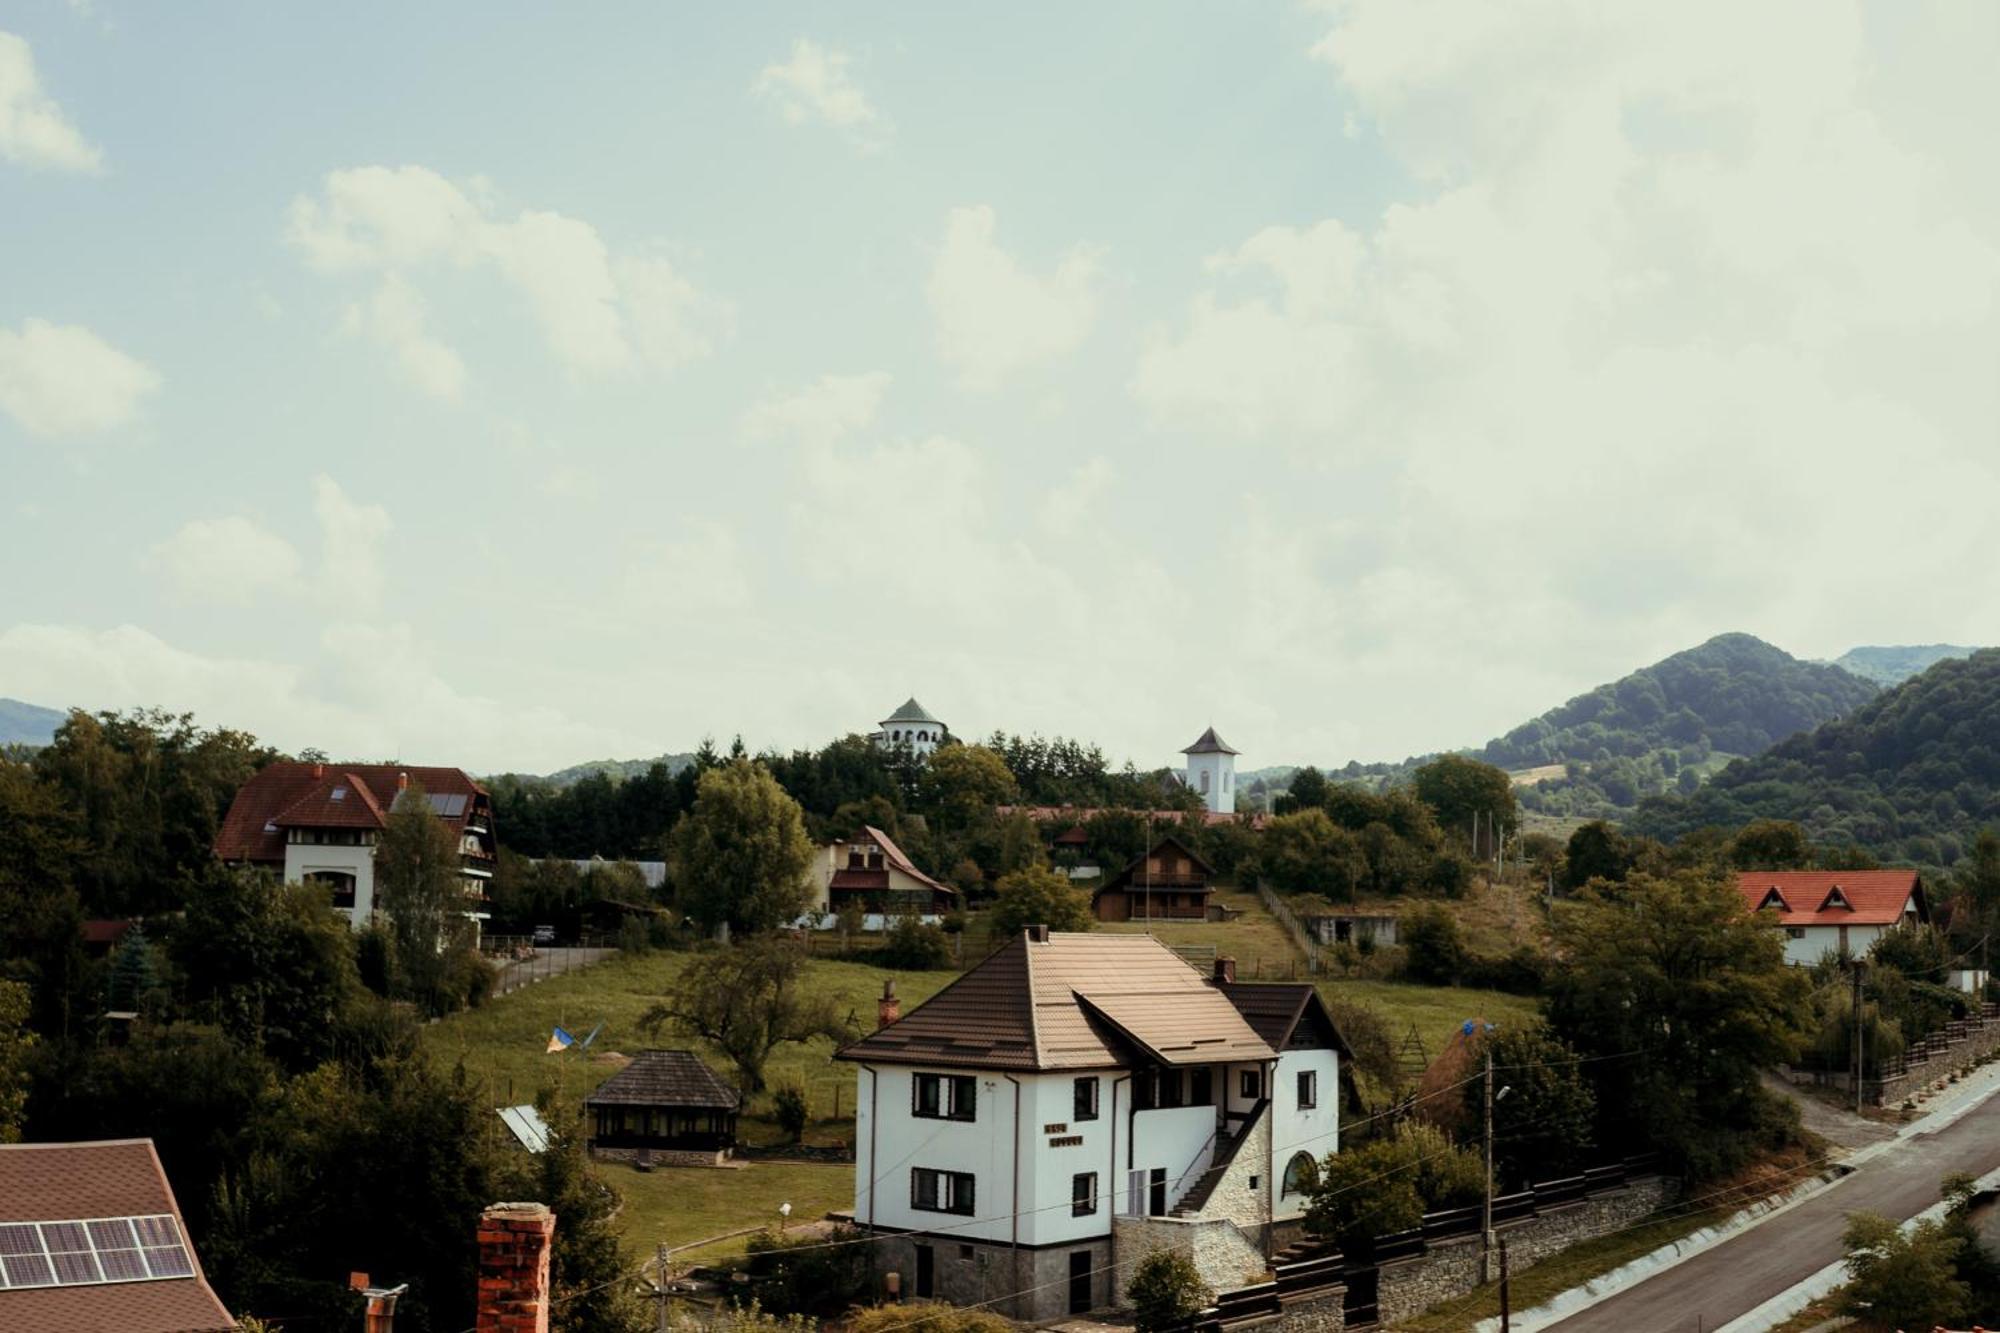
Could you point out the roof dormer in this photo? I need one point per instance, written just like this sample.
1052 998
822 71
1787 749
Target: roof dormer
1774 899
1835 899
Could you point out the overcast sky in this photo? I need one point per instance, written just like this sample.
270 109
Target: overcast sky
509 385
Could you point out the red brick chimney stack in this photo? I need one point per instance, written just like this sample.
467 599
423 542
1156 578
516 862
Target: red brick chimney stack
888 1009
514 1241
1225 971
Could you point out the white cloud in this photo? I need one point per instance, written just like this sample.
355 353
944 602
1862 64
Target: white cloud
994 317
62 379
1073 504
814 85
702 572
351 535
33 130
599 313
230 560
826 410
395 316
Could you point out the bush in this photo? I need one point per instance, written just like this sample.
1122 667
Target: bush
915 946
1433 952
819 1276
789 1108
374 957
635 935
1038 896
1166 1289
926 1317
1387 1186
1522 972
467 980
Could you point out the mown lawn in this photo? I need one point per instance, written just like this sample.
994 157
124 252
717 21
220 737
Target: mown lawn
677 1205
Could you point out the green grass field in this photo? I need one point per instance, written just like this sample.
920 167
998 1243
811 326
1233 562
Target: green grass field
1435 1011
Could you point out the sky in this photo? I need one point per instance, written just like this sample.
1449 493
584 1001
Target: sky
510 385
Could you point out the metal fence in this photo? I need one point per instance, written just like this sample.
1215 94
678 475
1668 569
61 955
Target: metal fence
1308 944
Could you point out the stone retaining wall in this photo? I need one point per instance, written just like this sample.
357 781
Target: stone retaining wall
660 1157
1976 1046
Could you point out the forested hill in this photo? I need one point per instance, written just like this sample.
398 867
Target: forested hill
27 724
1911 777
1663 727
1887 665
616 769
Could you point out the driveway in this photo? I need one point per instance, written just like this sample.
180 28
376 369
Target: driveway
1739 1274
549 962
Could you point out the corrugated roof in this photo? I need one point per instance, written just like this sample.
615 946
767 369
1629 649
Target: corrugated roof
1808 898
525 1123
665 1078
290 793
47 1182
1072 1001
1210 743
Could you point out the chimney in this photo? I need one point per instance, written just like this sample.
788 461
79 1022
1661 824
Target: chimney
379 1314
319 770
402 782
1225 970
888 1009
514 1243
1037 934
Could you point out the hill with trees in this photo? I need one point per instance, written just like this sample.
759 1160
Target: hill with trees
27 724
1887 665
1910 777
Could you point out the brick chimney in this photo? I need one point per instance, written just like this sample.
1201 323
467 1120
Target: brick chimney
1037 934
1225 970
319 770
402 782
514 1241
888 1009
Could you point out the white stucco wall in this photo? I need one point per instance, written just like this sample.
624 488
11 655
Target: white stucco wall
1220 769
1296 1129
302 859
1817 941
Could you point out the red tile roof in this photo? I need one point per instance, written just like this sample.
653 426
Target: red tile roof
1043 814
74 1182
894 855
1815 897
299 795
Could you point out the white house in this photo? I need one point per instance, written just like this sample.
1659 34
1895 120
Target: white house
1841 912
320 823
1211 771
871 872
910 727
1076 1102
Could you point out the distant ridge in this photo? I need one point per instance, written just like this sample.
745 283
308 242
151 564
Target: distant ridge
616 769
28 724
1887 665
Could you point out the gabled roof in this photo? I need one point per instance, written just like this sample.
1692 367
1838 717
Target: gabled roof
1070 1001
291 794
893 854
76 1182
1277 1010
911 711
1210 743
665 1078
1133 877
1809 897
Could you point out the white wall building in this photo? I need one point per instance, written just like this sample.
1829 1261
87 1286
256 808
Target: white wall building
871 872
1211 771
912 728
1838 912
1077 1101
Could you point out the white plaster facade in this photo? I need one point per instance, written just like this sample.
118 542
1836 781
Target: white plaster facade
340 866
1211 772
911 728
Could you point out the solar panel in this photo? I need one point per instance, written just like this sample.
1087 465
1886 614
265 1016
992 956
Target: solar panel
92 1251
448 804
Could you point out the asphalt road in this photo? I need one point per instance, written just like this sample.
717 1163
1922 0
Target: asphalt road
1736 1276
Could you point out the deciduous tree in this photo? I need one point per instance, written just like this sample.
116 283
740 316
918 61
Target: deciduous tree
1039 896
419 885
740 856
747 1000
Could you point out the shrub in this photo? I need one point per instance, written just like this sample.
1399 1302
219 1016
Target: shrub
1039 896
790 1109
1433 952
635 935
926 1317
915 946
374 957
811 1275
1387 1186
1166 1289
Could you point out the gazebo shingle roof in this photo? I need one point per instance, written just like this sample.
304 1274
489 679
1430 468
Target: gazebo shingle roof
665 1078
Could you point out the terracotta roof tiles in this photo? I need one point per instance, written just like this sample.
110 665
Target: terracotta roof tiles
1809 898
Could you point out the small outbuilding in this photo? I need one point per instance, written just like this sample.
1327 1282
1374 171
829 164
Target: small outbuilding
664 1106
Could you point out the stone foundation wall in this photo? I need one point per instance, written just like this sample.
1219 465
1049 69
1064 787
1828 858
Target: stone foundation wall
659 1157
1226 1258
976 1272
1976 1046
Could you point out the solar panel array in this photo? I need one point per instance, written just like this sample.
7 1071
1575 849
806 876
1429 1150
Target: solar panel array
450 805
85 1253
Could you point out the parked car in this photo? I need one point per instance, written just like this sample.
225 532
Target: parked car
545 934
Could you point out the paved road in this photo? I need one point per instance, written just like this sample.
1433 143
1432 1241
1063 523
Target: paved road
1740 1274
548 962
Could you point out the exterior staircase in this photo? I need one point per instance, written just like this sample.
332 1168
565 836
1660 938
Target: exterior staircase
1197 1198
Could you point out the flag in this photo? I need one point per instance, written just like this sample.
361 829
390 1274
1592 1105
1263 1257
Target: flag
585 1043
560 1041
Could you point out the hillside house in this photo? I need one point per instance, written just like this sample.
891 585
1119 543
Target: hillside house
665 1105
92 1238
1841 912
320 823
1077 1101
1169 883
870 872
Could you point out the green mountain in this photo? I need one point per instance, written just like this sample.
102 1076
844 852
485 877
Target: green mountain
1911 777
616 769
1667 726
1894 665
27 724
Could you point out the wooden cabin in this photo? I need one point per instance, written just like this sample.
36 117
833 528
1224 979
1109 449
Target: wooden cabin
1169 883
664 1104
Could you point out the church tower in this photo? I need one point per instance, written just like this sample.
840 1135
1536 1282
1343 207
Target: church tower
1211 771
910 727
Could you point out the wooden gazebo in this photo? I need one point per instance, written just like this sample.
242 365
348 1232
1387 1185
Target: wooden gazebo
664 1104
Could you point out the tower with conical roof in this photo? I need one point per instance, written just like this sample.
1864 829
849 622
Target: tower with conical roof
910 727
1211 771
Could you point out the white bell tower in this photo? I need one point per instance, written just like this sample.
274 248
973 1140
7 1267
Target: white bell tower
1211 771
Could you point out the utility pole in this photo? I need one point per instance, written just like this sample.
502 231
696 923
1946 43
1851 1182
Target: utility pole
1859 1018
1486 1205
660 1288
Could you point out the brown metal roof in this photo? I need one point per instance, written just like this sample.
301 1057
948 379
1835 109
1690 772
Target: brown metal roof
72 1182
665 1078
1276 1009
1071 1001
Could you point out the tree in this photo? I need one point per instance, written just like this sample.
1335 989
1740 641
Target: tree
746 1001
41 914
1461 789
1771 844
1543 1128
1595 851
1387 1185
17 1044
966 781
420 887
1684 998
1433 950
740 856
914 945
586 1270
790 1109
1903 1279
1306 792
1166 1288
1020 844
133 983
1039 896
1306 852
